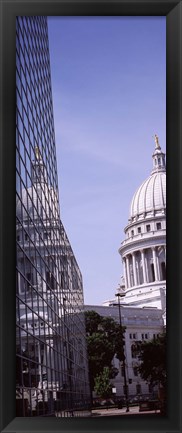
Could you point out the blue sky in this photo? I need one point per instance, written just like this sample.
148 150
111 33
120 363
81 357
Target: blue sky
109 98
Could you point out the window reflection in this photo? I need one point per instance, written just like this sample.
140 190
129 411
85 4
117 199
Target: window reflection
50 335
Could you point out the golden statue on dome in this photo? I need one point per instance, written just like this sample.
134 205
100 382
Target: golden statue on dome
157 145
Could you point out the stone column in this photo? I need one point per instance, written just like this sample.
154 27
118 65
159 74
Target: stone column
155 263
134 269
128 271
158 265
143 266
125 273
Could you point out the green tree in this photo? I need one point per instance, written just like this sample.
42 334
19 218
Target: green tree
153 361
104 340
153 366
103 387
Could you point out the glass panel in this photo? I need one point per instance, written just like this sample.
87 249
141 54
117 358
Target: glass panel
52 368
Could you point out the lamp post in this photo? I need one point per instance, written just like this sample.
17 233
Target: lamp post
119 295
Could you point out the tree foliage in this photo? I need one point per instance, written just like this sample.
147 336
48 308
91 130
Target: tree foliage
104 340
103 387
153 357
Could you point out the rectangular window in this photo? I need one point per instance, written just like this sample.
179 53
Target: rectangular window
150 388
144 336
139 229
133 336
135 371
45 235
158 226
51 282
138 388
148 227
28 275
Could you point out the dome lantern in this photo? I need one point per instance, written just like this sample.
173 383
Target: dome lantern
158 157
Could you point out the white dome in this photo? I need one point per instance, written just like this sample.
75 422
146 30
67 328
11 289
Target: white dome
143 251
150 197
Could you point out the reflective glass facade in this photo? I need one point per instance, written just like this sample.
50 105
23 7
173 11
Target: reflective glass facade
52 369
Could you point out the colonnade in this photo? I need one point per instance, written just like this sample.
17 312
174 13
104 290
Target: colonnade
143 266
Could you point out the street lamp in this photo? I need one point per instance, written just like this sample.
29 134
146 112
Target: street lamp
120 295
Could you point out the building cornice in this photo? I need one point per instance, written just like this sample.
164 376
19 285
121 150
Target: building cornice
142 243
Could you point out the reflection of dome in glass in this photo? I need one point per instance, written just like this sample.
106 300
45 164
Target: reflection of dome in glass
40 201
150 197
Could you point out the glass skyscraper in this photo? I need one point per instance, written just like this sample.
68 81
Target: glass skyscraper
51 368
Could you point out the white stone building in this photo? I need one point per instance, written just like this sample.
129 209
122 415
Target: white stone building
143 251
143 286
142 324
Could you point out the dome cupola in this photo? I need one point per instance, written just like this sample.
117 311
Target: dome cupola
158 158
150 198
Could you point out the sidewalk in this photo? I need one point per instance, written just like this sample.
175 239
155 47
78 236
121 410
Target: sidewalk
134 410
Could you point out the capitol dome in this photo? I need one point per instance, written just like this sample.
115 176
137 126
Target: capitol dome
143 251
150 197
